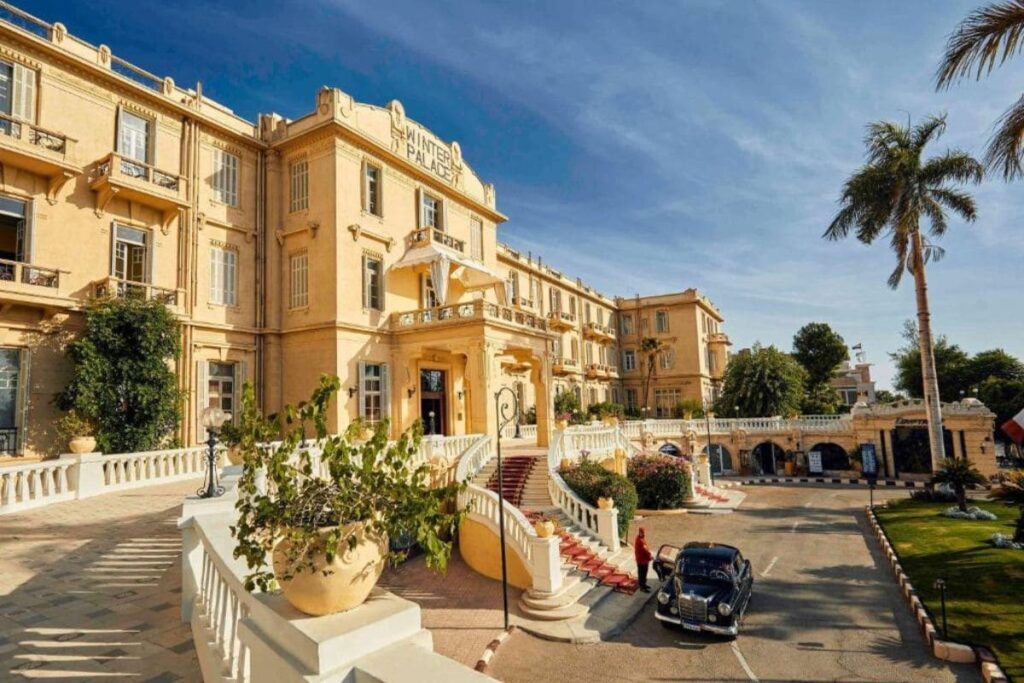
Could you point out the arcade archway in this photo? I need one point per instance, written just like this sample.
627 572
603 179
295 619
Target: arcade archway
767 457
719 457
833 456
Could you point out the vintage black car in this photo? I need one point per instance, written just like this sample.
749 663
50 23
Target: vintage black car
705 587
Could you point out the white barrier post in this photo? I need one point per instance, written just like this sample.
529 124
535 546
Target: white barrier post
608 527
86 474
547 565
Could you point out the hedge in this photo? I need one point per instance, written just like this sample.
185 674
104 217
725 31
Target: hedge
661 481
590 481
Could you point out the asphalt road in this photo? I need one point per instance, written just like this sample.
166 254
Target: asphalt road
824 608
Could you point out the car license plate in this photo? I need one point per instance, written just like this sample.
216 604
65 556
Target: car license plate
691 627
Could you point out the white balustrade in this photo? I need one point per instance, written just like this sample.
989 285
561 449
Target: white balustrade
602 524
668 428
23 487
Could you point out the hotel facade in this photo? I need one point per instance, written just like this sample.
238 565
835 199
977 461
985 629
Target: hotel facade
350 241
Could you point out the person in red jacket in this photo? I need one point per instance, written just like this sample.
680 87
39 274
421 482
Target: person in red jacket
642 555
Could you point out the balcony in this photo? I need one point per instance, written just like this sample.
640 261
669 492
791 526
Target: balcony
522 302
719 338
599 332
423 237
139 182
40 151
116 288
565 366
474 311
30 285
597 371
561 321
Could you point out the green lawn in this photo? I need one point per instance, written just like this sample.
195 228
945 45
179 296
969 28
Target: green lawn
984 585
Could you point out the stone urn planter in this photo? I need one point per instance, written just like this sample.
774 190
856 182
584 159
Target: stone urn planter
561 425
82 444
605 503
234 455
545 528
348 580
610 421
565 464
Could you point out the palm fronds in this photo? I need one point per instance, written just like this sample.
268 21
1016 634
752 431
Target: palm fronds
985 39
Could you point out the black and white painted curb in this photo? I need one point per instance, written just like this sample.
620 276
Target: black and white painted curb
943 649
492 648
846 481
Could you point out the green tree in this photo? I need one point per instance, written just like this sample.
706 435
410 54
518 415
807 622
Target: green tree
886 396
951 365
987 37
648 351
566 404
993 363
820 350
122 380
761 383
820 399
958 474
1011 492
1004 397
889 197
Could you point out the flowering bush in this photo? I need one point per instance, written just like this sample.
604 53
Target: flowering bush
590 481
975 513
661 481
1004 541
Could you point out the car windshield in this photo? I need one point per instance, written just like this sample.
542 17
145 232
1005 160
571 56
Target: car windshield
705 570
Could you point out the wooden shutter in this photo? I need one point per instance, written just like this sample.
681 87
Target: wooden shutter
202 396
363 184
24 101
444 214
24 397
385 392
419 207
362 386
366 284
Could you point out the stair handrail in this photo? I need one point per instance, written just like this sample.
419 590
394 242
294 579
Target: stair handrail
602 524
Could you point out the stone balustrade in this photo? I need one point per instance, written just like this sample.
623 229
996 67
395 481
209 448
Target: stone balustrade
599 523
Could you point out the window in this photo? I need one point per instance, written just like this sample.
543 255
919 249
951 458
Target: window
587 311
430 212
223 275
590 352
665 401
556 347
710 360
667 359
629 360
373 283
661 321
593 396
575 349
17 93
373 392
535 293
220 387
371 189
555 300
10 373
600 316
429 295
225 177
626 321
572 306
131 254
476 239
298 268
631 400
298 172
133 137
14 235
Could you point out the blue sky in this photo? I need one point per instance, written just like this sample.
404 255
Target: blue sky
649 148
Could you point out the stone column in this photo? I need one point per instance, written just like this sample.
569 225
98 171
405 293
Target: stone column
540 375
483 375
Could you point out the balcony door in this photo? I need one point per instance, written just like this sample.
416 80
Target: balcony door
433 401
13 235
131 254
133 138
10 373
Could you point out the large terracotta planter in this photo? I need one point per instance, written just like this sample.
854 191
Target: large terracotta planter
788 467
349 579
561 425
82 444
235 455
544 529
605 503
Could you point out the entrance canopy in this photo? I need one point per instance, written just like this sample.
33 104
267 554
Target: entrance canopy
472 274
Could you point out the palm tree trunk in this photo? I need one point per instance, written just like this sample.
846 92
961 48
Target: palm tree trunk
933 408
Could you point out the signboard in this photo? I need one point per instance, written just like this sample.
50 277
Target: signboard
428 151
814 462
869 460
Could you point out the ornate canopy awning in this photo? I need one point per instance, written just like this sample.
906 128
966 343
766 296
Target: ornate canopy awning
471 273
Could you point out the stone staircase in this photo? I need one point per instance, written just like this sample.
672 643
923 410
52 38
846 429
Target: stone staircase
591 572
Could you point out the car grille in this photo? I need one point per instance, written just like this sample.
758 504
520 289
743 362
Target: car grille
693 608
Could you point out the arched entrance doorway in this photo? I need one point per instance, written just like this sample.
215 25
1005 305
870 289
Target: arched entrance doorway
670 448
719 457
833 456
912 454
767 457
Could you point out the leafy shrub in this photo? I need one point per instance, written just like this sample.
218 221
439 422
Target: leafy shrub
975 513
689 409
661 481
590 481
934 495
567 407
606 409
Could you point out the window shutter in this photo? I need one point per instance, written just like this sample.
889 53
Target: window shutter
362 386
25 396
241 376
214 277
24 102
385 392
202 397
419 208
444 215
365 192
383 287
366 284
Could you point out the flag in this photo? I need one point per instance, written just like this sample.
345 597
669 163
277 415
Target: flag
1014 428
857 347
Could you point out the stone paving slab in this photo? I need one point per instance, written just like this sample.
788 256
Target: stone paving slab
91 589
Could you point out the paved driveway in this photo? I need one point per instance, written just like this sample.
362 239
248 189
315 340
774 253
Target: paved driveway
825 607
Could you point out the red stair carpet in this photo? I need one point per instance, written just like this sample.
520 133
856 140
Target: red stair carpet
587 562
515 470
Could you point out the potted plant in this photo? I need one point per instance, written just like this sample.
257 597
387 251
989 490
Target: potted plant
250 428
79 431
544 526
326 522
789 464
562 421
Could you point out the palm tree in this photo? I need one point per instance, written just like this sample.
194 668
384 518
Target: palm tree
649 349
985 39
959 473
888 197
1011 492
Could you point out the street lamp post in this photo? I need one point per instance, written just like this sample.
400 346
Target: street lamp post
431 416
940 583
502 418
707 424
213 420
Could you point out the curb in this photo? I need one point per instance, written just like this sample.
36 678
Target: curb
942 649
841 481
491 649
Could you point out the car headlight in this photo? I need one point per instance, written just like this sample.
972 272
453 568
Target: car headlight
663 597
724 608
673 609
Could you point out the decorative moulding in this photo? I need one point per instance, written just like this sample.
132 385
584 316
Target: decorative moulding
358 231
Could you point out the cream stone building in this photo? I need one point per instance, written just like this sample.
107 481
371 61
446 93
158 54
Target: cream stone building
350 241
692 353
